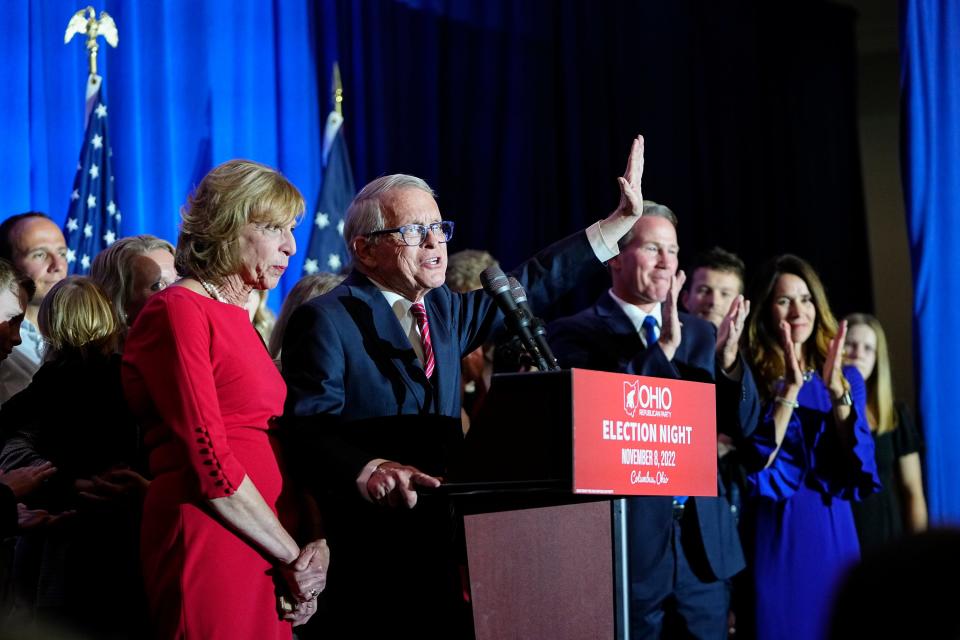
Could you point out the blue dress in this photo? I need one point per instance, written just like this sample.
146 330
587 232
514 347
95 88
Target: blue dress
798 524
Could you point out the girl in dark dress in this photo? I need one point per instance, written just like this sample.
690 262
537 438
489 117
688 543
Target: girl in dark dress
82 575
900 506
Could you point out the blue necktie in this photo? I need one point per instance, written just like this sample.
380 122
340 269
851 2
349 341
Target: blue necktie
649 328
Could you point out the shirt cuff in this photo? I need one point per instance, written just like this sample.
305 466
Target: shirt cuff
735 374
601 247
365 474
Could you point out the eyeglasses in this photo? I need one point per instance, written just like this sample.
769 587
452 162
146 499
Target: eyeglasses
414 235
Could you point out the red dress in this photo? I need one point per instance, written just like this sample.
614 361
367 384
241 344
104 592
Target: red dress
203 386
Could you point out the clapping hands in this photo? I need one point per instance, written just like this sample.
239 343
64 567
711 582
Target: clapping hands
670 331
730 330
832 372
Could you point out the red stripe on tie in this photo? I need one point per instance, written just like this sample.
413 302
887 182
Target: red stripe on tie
424 325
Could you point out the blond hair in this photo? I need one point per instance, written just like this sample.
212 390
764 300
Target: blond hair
76 316
263 318
464 269
880 412
306 289
112 269
232 195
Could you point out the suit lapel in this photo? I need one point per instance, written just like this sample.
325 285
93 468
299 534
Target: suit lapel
614 317
625 339
446 353
394 344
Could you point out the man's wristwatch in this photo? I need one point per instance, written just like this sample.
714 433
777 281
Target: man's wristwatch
846 400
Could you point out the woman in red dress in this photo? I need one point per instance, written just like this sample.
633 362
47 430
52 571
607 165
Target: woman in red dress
220 528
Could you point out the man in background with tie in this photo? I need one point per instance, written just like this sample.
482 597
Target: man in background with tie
373 405
682 551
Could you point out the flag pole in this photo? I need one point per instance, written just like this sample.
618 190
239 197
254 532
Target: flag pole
337 90
93 217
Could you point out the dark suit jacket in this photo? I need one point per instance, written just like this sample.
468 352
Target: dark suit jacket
602 337
356 392
348 363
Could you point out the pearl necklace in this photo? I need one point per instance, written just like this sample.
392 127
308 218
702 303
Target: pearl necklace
212 290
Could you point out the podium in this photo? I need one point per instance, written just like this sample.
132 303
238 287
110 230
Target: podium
544 528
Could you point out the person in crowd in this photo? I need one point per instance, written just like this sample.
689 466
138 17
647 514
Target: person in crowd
717 278
373 376
130 271
16 291
464 269
682 551
476 368
15 485
260 314
810 456
900 506
898 591
307 288
220 519
35 246
73 415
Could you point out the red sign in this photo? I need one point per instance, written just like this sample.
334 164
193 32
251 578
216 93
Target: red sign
643 436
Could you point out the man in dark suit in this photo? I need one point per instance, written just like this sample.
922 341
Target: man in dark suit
373 406
682 551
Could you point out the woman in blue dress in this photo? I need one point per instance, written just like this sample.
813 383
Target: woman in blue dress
811 455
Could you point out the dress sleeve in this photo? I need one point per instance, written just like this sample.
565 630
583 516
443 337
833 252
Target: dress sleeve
847 469
173 358
786 473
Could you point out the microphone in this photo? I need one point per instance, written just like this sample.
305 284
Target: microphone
496 284
536 324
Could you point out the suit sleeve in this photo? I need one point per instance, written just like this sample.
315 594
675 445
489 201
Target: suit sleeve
546 277
314 367
173 358
577 344
738 404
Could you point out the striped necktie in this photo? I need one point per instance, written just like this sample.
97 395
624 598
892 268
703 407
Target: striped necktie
424 325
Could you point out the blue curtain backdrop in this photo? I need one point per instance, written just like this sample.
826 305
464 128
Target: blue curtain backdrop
518 113
190 85
930 89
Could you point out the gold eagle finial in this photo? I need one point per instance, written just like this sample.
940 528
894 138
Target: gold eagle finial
85 21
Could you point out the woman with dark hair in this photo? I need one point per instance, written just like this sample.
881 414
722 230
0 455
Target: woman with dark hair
809 457
221 539
901 505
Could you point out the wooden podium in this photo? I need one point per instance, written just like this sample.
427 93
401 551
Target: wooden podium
546 548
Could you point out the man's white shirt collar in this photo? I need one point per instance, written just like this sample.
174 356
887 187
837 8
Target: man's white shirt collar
401 309
637 315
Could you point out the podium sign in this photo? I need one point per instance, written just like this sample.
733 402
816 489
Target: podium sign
635 435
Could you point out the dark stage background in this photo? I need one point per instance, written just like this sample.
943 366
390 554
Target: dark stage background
520 114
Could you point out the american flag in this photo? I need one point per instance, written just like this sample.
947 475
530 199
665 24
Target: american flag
93 219
328 251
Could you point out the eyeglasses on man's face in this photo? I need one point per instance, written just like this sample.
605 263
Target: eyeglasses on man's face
414 235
